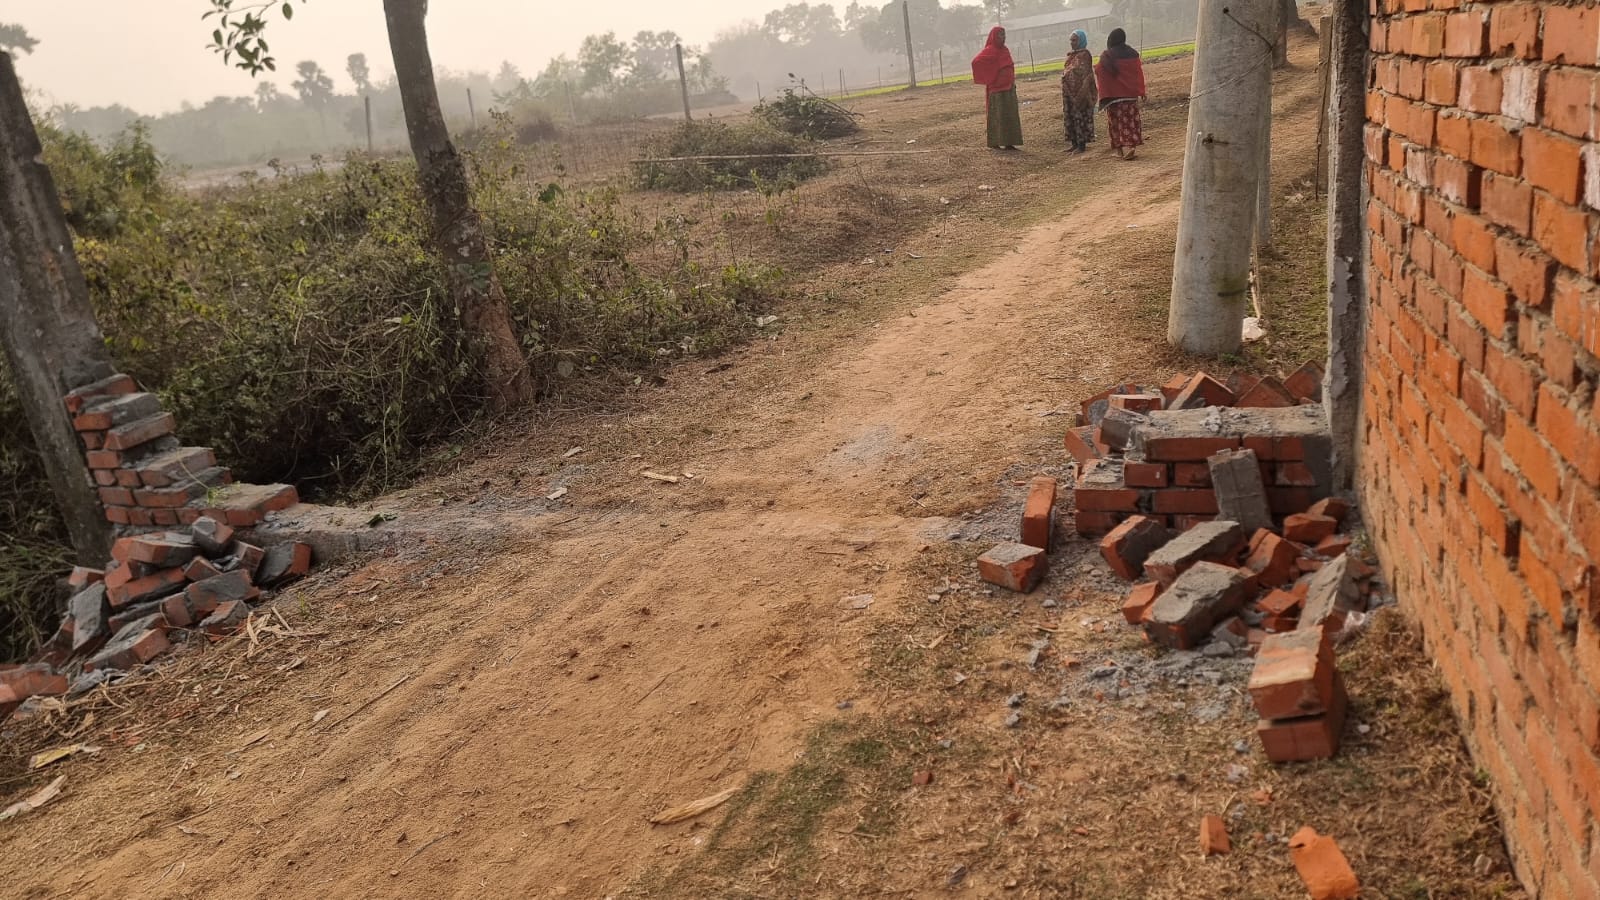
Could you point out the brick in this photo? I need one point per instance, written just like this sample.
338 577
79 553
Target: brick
1570 105
1307 528
1571 34
1240 382
83 576
1525 270
142 431
23 682
200 568
1173 501
1305 383
1409 83
1145 475
1095 407
1016 567
1181 523
1267 393
1128 545
1209 541
1214 836
1495 148
1116 427
165 551
1081 444
118 515
1136 608
1333 545
149 587
1201 597
92 440
1455 138
247 505
225 588
129 650
1240 495
1480 90
1140 403
1100 488
1466 34
1554 162
175 466
108 412
115 496
1519 93
1090 522
1532 457
1508 202
1174 387
1294 474
226 620
1202 391
1563 231
1576 312
1294 674
1488 302
1038 513
1439 84
213 537
284 563
1571 432
1281 603
1514 29
178 612
1591 181
1192 474
1322 866
113 386
1270 559
103 459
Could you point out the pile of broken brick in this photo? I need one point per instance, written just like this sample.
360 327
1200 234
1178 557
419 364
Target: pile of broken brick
1225 513
203 580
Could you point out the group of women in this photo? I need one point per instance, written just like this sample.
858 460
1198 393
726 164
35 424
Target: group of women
1114 84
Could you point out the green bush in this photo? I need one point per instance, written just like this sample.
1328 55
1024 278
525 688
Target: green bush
299 324
752 154
799 112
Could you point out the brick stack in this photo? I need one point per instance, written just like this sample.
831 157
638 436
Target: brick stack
202 579
1147 452
1480 454
1019 566
146 477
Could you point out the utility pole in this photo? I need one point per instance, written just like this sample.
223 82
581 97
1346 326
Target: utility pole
911 58
1221 176
367 102
572 105
1264 189
51 341
683 82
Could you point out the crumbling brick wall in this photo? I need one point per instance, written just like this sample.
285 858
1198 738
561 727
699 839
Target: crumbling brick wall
1480 451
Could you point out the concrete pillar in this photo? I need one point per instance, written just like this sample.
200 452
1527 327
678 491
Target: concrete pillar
1347 244
51 341
1221 175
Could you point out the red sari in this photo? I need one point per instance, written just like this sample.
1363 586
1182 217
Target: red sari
1120 76
993 67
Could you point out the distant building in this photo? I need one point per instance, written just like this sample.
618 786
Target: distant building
1055 27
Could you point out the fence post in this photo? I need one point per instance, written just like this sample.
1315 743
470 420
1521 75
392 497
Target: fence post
911 56
367 102
941 67
842 91
683 82
472 111
1031 64
572 105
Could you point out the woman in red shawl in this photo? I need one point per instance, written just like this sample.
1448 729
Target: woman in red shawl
1078 93
1120 74
994 69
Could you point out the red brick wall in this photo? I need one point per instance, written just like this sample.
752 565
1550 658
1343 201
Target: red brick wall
1480 451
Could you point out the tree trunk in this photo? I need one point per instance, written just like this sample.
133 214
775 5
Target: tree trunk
457 227
1221 175
51 341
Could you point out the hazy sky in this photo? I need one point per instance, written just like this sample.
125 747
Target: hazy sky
151 54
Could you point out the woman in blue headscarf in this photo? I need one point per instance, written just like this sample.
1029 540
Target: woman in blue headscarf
1078 93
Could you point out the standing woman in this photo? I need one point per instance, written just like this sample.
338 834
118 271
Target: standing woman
994 69
1078 94
1120 74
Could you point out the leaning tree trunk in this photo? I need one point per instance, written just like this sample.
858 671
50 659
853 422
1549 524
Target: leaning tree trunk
457 227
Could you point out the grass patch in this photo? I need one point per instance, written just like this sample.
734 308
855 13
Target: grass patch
702 155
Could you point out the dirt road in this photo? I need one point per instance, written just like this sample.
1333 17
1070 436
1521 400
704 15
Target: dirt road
509 701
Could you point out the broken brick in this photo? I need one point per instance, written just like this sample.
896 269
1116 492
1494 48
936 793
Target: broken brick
1081 444
1016 567
109 412
175 466
1241 496
1136 608
1116 427
1333 545
1270 560
1201 597
166 550
1306 738
283 563
1322 866
142 431
226 620
23 682
1241 382
244 557
1095 407
1137 474
225 588
1306 565
1214 836
1268 393
1308 528
247 505
1100 488
83 576
1128 545
150 587
211 536
1173 388
184 492
1306 383
1202 391
1039 512
1280 603
1209 541
1293 674
1335 508
178 611
1140 403
200 568
1330 593
129 649
89 611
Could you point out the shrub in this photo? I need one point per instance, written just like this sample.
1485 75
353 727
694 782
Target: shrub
699 155
299 324
798 111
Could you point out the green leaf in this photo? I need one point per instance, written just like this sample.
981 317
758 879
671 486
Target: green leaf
217 37
288 10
